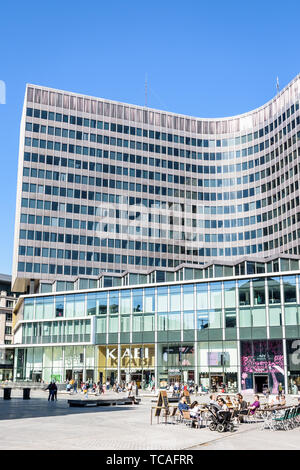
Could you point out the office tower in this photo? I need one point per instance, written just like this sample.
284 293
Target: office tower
105 186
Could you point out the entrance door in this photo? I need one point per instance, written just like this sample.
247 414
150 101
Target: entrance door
148 377
261 382
68 374
175 378
78 376
137 377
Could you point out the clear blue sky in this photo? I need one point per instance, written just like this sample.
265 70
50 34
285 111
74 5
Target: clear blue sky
202 58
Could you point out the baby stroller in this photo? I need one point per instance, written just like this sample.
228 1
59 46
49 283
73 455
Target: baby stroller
220 420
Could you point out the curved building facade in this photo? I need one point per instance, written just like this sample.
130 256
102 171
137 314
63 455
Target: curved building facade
107 186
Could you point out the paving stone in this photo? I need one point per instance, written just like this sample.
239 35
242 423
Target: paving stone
39 424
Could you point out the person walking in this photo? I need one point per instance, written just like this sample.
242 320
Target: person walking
75 386
49 388
52 391
86 389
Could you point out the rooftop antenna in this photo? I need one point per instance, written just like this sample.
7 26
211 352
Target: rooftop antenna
277 84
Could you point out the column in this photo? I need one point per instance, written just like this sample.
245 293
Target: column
119 364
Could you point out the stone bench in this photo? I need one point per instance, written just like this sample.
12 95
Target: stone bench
101 402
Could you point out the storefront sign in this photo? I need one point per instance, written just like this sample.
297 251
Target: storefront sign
135 356
132 353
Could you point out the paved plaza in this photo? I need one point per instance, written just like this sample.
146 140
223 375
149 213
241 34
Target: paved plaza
43 425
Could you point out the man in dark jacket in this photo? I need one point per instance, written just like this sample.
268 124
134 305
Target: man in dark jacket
52 387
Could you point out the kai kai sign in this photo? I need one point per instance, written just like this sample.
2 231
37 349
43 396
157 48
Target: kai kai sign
129 356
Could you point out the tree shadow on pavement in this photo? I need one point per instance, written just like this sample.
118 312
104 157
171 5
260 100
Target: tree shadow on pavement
17 408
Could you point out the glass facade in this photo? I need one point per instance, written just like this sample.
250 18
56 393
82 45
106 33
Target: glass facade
232 334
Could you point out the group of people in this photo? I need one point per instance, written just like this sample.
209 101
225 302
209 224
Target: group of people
99 388
177 388
72 385
239 406
85 387
52 388
276 400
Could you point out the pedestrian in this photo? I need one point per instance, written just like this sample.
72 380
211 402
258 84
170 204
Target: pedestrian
280 389
52 391
49 388
75 386
86 389
135 389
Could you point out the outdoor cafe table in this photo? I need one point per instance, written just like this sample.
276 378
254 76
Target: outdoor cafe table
161 408
170 412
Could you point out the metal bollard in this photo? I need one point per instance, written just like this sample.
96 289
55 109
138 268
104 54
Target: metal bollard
26 393
7 393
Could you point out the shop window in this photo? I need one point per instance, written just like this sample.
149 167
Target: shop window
162 299
289 285
59 306
275 316
137 301
274 290
244 292
113 302
245 317
202 296
230 318
215 295
174 321
202 320
125 302
229 288
259 292
258 317
188 297
102 304
291 315
188 321
149 322
215 319
175 299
